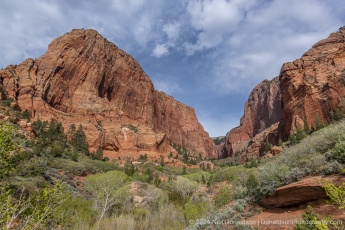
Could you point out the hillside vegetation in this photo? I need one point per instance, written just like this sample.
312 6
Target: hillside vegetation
51 180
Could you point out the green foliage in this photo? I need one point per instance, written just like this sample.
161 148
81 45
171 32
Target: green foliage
338 152
142 158
149 174
26 115
107 189
133 128
251 183
79 140
298 136
306 126
318 122
218 140
184 187
7 148
336 115
194 210
184 170
223 196
280 142
335 194
310 221
251 164
75 212
30 211
268 146
129 168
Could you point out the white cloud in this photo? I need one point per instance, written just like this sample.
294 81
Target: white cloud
172 30
167 85
160 50
213 19
269 35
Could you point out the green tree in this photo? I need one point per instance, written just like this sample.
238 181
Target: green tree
338 115
129 168
79 141
108 189
306 126
318 122
300 134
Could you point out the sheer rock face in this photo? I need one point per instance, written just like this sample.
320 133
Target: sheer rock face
261 111
180 124
314 84
85 79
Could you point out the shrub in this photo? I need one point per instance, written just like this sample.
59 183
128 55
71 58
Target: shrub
338 152
223 196
336 194
240 192
251 183
310 221
239 205
296 174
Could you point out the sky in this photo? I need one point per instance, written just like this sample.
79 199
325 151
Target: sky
208 54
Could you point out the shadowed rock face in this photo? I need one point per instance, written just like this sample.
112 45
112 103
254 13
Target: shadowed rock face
314 84
261 111
85 79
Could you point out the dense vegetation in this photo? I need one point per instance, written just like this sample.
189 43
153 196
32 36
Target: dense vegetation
51 179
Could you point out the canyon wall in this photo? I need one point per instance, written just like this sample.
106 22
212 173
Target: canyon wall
314 84
261 111
85 79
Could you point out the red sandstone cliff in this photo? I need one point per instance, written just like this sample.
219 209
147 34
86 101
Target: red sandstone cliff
85 79
314 84
261 111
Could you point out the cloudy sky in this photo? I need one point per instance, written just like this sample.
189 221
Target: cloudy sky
208 54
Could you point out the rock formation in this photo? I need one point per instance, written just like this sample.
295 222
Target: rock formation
306 88
301 192
85 79
314 84
261 111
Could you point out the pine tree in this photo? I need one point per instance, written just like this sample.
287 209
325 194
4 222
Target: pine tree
306 126
318 122
338 115
79 141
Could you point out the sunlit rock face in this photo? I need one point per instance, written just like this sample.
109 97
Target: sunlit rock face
314 84
85 79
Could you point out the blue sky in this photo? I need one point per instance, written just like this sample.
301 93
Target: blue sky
208 54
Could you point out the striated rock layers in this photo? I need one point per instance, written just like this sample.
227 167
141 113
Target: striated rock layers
314 84
306 88
85 79
261 111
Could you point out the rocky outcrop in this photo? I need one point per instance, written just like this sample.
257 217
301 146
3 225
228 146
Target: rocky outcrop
301 192
257 146
85 79
261 111
314 84
181 126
